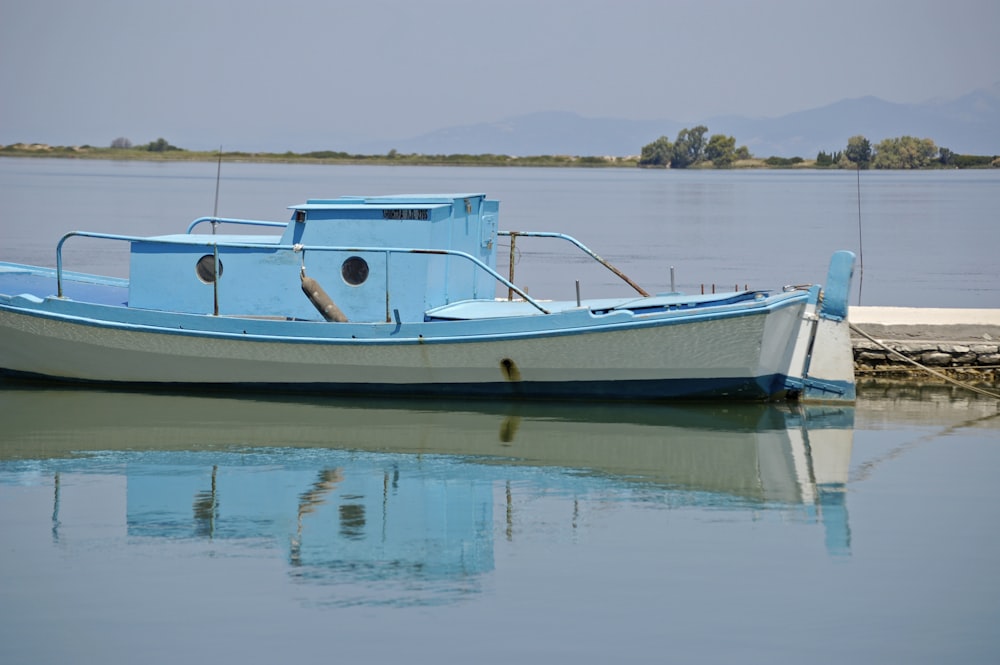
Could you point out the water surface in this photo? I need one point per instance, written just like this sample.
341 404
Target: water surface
164 528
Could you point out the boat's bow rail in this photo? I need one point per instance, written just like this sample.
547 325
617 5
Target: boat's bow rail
514 235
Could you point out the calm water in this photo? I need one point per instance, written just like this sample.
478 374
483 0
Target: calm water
181 528
928 238
193 528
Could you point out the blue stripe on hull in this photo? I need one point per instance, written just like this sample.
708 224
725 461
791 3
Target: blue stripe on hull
747 389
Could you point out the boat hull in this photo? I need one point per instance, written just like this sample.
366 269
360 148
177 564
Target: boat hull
743 354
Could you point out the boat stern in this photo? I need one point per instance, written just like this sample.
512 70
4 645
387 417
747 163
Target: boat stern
822 368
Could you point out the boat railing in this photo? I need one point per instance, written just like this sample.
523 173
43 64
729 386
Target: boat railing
230 220
514 235
298 248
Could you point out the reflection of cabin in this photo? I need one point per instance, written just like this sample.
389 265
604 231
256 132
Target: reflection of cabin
361 515
359 250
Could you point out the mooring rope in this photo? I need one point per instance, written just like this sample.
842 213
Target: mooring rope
940 375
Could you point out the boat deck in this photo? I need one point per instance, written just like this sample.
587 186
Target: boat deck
19 280
494 309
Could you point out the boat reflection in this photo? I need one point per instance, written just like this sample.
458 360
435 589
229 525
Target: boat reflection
382 492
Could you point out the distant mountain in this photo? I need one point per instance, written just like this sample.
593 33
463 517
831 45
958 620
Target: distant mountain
969 124
543 133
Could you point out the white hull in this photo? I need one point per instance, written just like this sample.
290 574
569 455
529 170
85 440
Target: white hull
750 352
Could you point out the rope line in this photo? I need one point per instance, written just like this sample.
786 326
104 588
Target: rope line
940 375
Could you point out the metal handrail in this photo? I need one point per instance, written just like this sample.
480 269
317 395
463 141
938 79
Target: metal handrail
215 245
231 220
562 236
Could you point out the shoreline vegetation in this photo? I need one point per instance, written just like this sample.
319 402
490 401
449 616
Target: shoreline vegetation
690 151
391 158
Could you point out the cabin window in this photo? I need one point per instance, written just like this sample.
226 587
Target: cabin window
354 271
205 268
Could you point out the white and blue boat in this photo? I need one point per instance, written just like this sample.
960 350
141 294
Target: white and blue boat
402 295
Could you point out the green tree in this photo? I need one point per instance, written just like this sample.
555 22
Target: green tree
160 145
859 151
946 156
121 143
689 148
783 161
721 150
905 152
743 152
657 153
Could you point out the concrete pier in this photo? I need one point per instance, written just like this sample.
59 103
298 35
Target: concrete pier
962 343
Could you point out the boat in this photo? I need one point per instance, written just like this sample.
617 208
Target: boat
402 295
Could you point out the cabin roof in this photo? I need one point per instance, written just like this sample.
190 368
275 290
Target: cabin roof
428 201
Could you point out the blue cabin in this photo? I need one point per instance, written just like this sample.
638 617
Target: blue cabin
383 258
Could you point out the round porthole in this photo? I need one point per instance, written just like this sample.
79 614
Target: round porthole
206 268
354 271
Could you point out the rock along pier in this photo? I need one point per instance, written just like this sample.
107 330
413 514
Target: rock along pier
961 343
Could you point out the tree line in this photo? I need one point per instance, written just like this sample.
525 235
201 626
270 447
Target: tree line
690 149
159 145
906 152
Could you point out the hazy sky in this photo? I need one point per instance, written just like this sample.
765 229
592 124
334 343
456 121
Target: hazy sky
305 74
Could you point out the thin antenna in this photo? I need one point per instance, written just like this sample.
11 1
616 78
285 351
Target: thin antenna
218 175
861 247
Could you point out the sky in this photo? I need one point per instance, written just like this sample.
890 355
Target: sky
314 74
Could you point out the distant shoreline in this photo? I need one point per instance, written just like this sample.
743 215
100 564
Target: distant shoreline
547 161
110 154
37 151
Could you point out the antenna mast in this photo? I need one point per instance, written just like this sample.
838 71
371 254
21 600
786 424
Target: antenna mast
215 210
861 247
